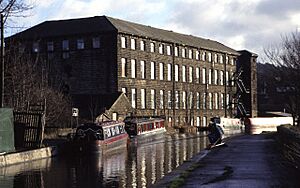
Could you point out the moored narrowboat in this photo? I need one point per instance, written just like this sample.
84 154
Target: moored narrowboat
100 137
144 126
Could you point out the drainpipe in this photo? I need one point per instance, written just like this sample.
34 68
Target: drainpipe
173 85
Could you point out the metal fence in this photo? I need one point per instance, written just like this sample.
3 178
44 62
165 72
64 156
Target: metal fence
29 129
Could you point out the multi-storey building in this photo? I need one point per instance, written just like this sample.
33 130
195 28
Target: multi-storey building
185 78
246 81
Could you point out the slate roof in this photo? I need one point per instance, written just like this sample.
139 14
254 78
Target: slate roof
96 24
169 36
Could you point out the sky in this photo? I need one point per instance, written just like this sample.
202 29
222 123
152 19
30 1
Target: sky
253 25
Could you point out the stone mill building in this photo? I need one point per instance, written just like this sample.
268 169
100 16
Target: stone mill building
186 79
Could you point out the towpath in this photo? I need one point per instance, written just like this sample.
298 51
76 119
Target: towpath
245 161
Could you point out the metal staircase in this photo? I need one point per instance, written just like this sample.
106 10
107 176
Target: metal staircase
241 90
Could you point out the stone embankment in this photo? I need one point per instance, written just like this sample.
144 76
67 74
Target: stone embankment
7 159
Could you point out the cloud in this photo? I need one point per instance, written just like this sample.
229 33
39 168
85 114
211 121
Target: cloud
239 24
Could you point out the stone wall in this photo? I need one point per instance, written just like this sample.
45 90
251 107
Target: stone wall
289 141
181 115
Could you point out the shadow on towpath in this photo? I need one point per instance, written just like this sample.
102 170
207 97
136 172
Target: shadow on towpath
246 161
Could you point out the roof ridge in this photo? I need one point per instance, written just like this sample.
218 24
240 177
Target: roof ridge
123 27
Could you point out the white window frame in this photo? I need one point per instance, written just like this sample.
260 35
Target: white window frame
143 99
123 42
190 54
132 44
210 76
133 68
209 56
221 77
227 100
232 61
168 50
198 121
123 68
204 121
152 47
227 78
152 98
183 100
176 73
183 73
197 55
221 59
191 101
222 100
161 71
203 75
152 70
142 45
198 104
161 100
143 69
216 73
203 56
216 58
177 99
176 51
133 98
183 51
210 101
204 101
161 49
190 74
216 101
197 75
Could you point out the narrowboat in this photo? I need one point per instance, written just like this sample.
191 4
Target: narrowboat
100 137
144 126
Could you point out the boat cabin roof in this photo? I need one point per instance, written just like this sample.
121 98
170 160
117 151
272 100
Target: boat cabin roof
104 124
144 120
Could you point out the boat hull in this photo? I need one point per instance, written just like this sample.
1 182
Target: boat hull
100 146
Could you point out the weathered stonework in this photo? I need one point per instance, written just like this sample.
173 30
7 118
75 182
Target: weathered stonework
98 71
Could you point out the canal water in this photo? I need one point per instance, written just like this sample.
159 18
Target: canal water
141 164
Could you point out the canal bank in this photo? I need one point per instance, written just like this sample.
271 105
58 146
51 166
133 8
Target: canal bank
245 161
17 157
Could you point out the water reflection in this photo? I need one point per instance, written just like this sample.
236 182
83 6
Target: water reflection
139 165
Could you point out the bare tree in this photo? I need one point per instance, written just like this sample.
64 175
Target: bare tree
286 57
14 8
27 82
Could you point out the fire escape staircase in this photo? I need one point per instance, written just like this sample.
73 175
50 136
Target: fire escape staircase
241 90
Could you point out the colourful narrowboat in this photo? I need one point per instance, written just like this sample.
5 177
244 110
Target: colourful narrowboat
100 137
144 126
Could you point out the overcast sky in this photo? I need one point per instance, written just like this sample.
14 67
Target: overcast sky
239 24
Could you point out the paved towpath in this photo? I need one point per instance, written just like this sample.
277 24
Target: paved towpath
245 161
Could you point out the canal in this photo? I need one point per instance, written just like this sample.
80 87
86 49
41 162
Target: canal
141 164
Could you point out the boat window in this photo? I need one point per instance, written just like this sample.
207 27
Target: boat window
117 130
113 131
108 133
121 129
